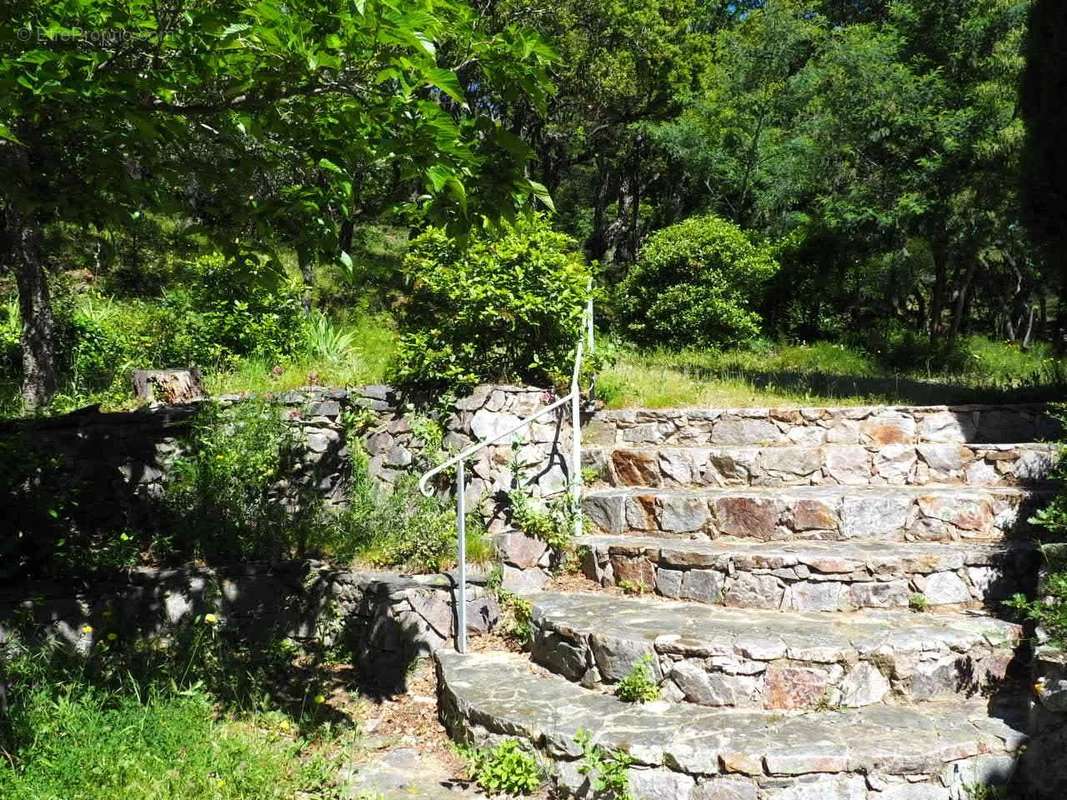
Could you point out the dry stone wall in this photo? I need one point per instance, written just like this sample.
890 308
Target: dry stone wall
384 620
860 425
119 460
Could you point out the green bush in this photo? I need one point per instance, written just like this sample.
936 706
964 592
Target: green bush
506 307
505 769
696 283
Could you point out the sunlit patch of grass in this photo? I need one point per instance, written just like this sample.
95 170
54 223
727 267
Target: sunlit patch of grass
824 373
86 743
662 380
369 342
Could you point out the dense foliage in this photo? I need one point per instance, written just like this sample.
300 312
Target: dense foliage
507 306
696 283
259 124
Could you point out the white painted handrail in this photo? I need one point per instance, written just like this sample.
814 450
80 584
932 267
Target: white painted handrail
574 397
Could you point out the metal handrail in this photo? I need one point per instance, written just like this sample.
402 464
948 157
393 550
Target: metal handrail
574 397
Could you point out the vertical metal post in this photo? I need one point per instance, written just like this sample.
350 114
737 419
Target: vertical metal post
589 325
576 448
461 558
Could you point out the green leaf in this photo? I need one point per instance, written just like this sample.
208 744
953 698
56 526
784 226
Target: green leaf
447 81
329 166
541 193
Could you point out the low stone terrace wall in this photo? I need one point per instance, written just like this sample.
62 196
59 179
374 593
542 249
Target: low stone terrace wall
384 620
113 466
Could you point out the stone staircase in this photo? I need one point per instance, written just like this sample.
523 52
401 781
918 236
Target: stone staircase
816 592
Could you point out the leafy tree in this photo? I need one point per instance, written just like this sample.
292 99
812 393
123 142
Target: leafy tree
259 120
621 65
1044 173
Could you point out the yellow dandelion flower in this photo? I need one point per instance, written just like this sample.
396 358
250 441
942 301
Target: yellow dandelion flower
87 629
211 619
320 699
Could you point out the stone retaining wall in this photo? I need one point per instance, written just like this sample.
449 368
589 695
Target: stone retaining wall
859 425
384 620
113 465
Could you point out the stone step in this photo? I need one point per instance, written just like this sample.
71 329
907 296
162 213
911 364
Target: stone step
865 425
888 513
813 576
879 752
832 464
747 658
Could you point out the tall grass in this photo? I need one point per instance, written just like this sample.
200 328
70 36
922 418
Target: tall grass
344 351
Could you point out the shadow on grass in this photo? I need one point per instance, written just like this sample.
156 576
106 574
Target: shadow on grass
894 389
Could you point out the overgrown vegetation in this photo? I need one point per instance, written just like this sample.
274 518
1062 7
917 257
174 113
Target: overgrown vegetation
225 493
508 768
212 716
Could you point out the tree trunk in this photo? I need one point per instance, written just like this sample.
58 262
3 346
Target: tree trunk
961 302
937 295
35 309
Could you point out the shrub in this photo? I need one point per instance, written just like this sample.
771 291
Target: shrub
638 685
505 769
696 283
505 307
235 307
224 491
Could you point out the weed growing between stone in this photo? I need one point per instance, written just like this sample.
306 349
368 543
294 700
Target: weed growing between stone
1049 610
398 526
507 769
605 770
638 685
516 613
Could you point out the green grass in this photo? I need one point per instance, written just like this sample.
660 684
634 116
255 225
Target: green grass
371 341
86 744
825 374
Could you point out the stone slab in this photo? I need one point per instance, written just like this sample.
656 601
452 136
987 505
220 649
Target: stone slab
889 513
877 425
817 575
731 656
485 697
953 463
